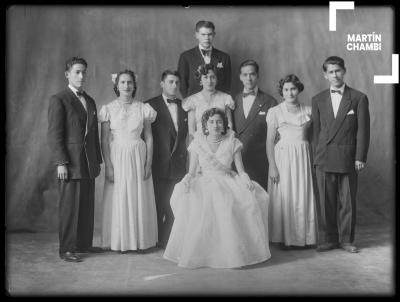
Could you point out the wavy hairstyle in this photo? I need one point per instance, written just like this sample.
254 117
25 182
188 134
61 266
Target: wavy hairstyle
203 70
133 76
290 78
211 112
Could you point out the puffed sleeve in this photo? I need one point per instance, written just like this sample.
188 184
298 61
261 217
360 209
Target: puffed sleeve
229 102
236 145
149 113
104 114
189 104
271 118
308 110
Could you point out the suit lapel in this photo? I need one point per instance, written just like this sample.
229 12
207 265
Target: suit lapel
199 56
181 124
255 108
165 111
91 111
77 105
239 113
341 114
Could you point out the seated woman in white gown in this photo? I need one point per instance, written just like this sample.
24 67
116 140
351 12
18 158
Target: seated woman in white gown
220 216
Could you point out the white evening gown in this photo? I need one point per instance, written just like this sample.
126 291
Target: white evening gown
219 223
129 210
292 202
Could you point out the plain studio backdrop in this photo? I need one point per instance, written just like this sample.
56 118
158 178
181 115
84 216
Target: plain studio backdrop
148 40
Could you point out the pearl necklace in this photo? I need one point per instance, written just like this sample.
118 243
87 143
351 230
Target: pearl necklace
216 141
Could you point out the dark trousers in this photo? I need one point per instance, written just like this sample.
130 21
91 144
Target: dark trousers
163 189
336 206
76 214
257 171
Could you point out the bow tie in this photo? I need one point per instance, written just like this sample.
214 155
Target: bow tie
169 101
249 93
336 91
80 93
206 52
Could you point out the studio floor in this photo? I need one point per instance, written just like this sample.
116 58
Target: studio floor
33 268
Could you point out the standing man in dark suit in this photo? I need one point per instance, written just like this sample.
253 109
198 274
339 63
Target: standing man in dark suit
169 157
74 142
249 118
341 126
204 53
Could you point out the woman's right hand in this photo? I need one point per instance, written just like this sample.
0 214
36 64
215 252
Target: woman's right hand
110 173
273 174
186 182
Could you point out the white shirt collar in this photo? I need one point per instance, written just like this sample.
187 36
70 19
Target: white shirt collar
340 88
74 90
200 47
165 98
255 90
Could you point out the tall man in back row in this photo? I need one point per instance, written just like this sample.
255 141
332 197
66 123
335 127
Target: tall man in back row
341 127
204 53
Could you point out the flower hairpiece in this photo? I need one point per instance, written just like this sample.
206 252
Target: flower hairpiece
114 77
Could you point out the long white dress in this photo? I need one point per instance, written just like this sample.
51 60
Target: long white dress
292 203
219 223
129 210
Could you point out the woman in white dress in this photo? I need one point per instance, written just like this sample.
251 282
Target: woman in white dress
129 211
221 217
292 203
207 98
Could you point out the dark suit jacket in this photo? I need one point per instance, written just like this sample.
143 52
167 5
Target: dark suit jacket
66 135
252 132
191 59
170 153
339 142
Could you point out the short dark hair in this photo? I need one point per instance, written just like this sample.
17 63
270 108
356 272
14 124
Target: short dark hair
74 60
169 72
290 78
133 76
333 60
211 112
249 62
203 70
206 24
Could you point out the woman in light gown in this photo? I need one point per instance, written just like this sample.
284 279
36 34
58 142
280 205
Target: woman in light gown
207 98
292 219
220 216
129 210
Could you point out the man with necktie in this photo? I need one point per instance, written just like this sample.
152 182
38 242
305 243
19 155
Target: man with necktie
341 127
170 154
249 122
74 141
204 53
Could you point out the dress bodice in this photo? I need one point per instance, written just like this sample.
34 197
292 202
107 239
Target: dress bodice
292 127
199 102
126 123
221 159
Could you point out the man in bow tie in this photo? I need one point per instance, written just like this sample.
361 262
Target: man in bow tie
341 127
169 157
249 122
204 53
74 141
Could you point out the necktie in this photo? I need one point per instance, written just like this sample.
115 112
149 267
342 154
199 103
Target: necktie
80 93
206 52
248 93
175 101
336 91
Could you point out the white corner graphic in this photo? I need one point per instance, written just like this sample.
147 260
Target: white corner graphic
390 79
333 7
